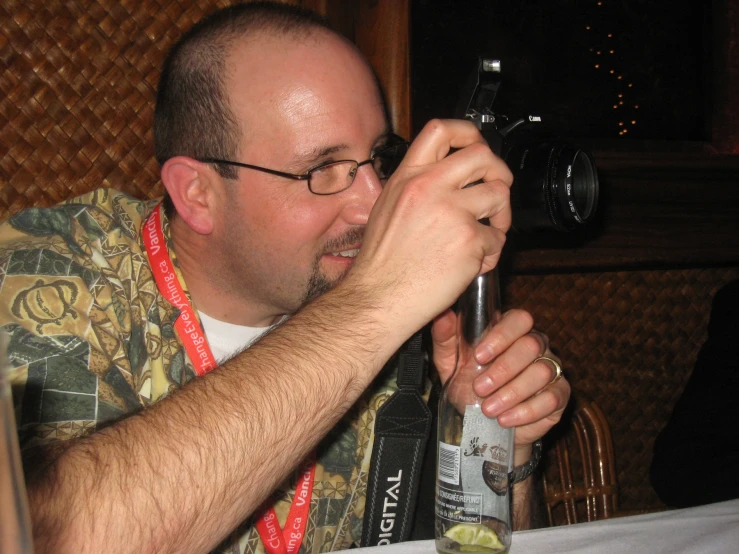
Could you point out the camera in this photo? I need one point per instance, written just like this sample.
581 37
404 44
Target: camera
555 185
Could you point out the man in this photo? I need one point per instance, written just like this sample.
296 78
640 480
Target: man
348 263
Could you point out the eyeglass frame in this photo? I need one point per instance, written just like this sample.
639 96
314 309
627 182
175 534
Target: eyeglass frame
398 141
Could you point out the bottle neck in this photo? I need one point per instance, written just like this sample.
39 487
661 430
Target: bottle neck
478 307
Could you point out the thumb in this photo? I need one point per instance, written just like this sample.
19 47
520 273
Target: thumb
444 335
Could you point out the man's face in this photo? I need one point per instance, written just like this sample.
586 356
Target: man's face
299 104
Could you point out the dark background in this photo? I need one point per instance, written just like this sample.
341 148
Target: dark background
662 50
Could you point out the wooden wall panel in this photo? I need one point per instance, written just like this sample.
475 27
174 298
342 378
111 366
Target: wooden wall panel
382 33
725 108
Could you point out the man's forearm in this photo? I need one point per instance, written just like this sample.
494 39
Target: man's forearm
178 477
528 504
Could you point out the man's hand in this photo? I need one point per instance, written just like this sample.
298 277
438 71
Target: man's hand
515 389
424 242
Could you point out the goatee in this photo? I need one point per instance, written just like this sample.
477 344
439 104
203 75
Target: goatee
318 283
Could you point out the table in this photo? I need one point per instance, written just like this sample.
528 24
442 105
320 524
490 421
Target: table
711 528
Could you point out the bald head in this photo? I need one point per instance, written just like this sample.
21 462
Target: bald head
281 90
192 116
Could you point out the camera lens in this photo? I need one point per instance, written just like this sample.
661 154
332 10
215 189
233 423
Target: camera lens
583 177
555 185
580 186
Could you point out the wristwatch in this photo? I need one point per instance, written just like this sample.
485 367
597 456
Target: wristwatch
524 471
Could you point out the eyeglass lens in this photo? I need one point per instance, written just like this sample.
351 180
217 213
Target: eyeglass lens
339 176
332 178
387 160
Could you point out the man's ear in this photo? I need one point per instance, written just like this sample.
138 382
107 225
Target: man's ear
192 187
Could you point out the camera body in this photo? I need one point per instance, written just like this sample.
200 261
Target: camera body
555 184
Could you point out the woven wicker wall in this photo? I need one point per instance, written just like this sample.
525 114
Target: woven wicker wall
629 340
77 83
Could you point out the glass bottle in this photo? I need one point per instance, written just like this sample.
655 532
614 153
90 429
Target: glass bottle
15 522
475 453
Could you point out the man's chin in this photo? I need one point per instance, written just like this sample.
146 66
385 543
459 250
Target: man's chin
320 284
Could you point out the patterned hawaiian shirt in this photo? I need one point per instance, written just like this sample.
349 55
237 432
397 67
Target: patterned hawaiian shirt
92 339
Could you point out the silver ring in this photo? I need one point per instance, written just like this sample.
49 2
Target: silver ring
555 364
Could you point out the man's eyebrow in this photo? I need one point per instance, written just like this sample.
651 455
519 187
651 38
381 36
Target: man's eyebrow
318 154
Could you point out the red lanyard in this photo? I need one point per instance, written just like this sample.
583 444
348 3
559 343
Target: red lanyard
276 541
289 539
187 326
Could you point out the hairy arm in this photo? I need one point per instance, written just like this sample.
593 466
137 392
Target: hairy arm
528 504
178 477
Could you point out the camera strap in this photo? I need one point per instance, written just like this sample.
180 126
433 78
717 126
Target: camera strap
402 427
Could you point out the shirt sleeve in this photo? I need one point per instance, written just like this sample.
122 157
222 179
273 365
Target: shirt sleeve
74 336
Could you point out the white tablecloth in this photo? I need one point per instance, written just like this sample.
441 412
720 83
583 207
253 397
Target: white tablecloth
712 528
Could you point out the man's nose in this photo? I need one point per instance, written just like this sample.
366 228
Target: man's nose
363 193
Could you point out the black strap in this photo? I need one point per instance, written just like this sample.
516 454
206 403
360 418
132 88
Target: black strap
402 428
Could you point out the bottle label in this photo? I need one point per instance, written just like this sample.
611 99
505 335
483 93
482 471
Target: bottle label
473 477
457 506
449 463
486 457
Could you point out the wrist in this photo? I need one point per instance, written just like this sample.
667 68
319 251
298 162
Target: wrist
522 454
523 471
378 308
355 319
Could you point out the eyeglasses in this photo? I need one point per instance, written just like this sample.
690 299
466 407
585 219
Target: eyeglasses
334 177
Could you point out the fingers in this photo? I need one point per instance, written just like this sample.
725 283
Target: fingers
513 325
444 336
491 241
490 200
548 402
535 417
438 137
530 401
517 387
444 329
522 393
472 164
510 347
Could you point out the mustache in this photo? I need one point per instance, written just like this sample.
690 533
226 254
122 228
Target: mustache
349 239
